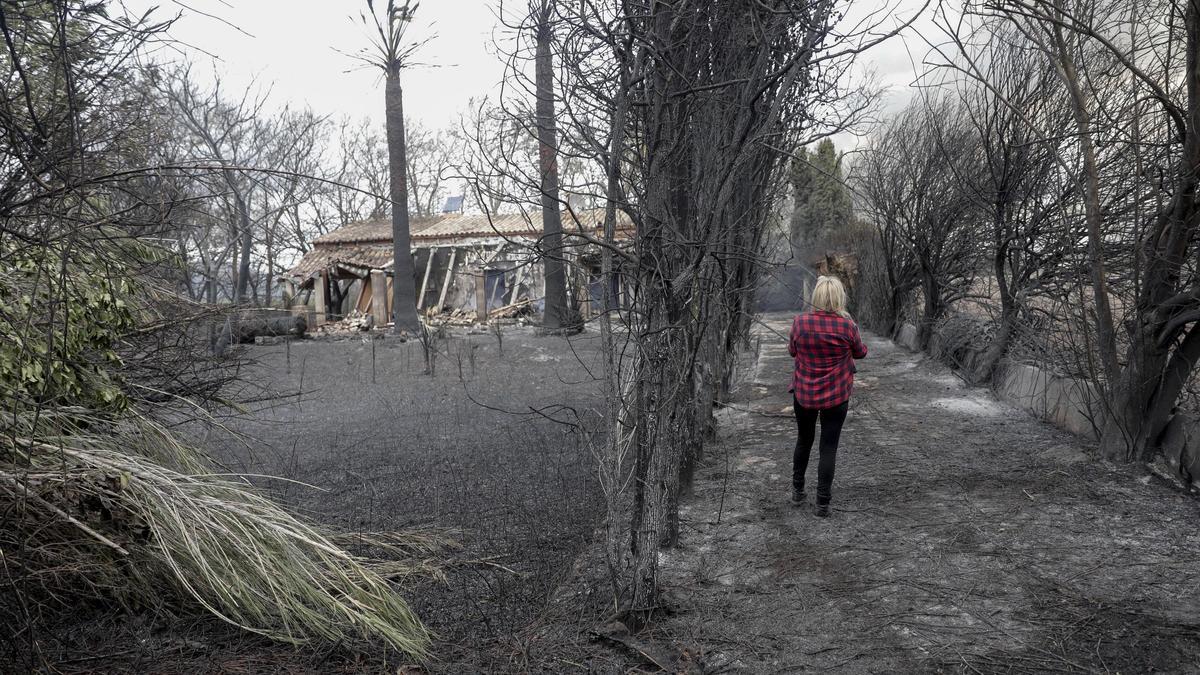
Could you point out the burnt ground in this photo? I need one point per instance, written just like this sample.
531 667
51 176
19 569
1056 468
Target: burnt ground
482 452
485 451
966 537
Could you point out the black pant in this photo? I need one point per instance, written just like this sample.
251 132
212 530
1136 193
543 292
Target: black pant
831 430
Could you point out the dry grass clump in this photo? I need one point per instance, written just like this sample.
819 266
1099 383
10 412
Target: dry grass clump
122 510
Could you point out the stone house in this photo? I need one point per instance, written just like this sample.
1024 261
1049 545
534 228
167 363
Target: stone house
463 262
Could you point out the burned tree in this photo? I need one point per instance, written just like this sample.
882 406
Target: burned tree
1089 208
1009 98
908 180
391 54
558 313
1143 123
691 113
101 503
227 132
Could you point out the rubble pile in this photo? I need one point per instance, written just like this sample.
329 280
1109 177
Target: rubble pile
519 309
455 317
519 312
354 322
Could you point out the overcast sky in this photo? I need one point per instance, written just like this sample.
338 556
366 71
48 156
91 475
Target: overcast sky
292 46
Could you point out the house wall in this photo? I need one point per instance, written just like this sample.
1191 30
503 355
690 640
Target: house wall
521 270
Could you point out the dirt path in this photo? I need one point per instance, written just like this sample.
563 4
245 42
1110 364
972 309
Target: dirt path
966 537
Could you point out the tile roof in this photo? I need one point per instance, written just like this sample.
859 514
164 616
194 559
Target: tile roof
368 244
364 257
480 225
378 230
527 224
457 225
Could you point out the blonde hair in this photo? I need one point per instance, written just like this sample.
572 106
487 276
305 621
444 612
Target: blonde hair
829 295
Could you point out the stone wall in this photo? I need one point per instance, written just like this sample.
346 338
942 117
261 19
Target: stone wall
1181 447
908 337
1065 402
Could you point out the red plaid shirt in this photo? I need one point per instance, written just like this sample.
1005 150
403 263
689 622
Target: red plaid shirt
824 346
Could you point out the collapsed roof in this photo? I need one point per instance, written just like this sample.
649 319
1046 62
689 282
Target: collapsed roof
357 248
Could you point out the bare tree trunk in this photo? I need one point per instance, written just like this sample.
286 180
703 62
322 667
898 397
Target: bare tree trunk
210 286
1008 312
1154 375
1162 404
404 292
933 308
187 271
1105 333
643 524
243 275
270 276
557 311
613 469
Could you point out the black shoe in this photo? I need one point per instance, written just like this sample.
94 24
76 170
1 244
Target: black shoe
799 497
822 511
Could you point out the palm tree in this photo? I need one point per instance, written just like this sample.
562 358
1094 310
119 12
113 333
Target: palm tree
557 312
390 52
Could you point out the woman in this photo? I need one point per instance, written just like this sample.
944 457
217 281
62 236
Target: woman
824 344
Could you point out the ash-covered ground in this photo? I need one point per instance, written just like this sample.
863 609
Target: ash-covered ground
966 537
487 451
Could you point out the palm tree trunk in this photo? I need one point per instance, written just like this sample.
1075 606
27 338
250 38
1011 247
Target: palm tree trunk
404 291
557 313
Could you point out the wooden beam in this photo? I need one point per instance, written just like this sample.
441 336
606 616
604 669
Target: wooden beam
586 309
446 282
481 312
363 304
425 280
517 284
322 301
492 258
379 306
